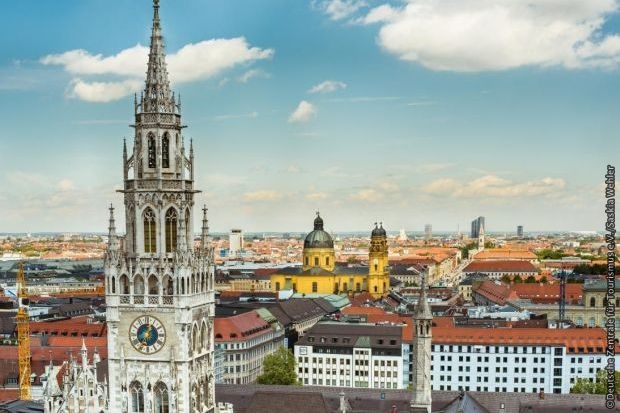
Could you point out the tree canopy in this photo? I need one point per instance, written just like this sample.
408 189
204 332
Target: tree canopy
279 368
597 387
547 253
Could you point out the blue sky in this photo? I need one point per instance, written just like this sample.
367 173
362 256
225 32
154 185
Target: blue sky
409 112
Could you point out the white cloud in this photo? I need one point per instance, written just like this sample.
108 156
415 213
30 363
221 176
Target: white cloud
65 185
194 61
250 74
368 195
128 62
102 91
303 113
328 86
483 35
491 186
293 169
389 186
262 195
339 9
383 13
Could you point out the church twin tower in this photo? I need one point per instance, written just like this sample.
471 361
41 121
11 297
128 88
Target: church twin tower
159 287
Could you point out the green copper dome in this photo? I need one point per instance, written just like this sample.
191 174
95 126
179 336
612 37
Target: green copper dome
318 238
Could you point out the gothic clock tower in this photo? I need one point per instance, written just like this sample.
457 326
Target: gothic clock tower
159 286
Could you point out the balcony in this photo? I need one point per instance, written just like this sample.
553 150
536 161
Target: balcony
153 184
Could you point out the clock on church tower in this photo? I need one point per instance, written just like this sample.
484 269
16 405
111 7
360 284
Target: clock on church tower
159 288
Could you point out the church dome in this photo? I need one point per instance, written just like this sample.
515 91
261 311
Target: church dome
318 238
378 231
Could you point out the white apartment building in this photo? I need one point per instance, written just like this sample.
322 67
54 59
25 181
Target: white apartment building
351 355
528 360
246 339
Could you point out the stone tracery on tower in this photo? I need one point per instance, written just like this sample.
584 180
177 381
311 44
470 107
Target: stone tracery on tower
159 289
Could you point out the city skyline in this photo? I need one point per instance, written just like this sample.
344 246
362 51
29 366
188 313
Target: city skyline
337 106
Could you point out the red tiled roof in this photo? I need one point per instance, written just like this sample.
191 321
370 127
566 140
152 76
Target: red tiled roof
500 266
265 271
8 394
578 340
505 254
362 310
548 292
496 292
361 298
76 326
240 327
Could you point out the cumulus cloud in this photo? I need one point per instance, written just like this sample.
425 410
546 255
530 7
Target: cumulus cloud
262 195
383 13
194 61
303 113
491 186
102 92
327 86
367 195
250 74
486 35
339 9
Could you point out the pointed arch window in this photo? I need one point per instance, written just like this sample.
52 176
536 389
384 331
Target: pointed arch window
151 151
165 151
162 404
150 231
171 230
137 397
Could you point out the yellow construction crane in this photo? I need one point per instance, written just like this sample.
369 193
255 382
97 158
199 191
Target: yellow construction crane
23 335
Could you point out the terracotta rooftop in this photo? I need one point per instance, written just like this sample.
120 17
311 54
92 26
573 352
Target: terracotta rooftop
578 340
500 266
71 327
548 292
505 254
496 292
240 327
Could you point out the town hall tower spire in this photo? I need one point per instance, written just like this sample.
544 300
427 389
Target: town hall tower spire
159 286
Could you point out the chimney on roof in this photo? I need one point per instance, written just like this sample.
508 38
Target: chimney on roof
502 408
541 395
343 406
394 409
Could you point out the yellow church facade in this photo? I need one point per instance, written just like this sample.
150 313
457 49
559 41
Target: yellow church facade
320 274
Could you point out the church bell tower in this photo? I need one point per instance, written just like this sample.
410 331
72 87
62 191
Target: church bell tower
159 286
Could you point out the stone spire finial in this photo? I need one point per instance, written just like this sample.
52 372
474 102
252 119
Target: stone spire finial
422 309
84 354
204 235
112 238
112 225
125 165
157 96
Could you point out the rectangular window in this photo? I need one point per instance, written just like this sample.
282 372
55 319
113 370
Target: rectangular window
315 286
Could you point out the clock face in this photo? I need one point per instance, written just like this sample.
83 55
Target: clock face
147 334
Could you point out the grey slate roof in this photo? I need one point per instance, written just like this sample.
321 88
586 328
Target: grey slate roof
297 398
